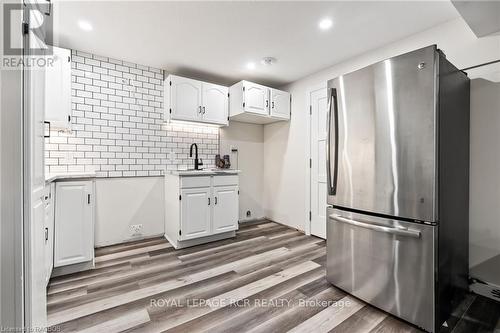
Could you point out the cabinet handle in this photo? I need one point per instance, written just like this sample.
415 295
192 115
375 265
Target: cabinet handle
209 201
203 110
47 123
199 109
46 234
267 103
272 105
88 199
216 200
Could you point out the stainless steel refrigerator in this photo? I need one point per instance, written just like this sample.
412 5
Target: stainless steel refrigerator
398 185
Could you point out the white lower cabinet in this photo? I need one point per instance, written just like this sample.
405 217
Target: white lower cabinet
200 209
74 222
225 210
49 230
195 213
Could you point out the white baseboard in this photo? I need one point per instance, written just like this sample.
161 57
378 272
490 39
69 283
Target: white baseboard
128 240
253 219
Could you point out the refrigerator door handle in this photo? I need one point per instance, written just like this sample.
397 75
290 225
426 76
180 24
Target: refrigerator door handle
332 180
389 230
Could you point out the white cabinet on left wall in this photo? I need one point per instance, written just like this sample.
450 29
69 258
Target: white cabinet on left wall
195 101
74 222
58 90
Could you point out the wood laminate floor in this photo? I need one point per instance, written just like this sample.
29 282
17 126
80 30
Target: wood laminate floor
268 278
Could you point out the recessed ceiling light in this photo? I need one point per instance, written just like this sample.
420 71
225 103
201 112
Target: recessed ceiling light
325 24
251 65
84 25
268 61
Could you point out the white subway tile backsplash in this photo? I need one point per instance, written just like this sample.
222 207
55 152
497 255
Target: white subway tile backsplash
117 126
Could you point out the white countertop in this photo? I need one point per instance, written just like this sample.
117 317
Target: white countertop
74 175
207 172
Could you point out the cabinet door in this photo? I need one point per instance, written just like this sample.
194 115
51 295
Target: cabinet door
195 213
256 98
225 217
280 104
74 239
215 104
49 231
185 98
58 90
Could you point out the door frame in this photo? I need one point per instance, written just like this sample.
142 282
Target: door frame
12 104
308 104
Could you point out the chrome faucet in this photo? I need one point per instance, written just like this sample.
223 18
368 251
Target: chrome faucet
197 162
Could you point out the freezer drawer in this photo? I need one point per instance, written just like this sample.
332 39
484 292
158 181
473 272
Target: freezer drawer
387 263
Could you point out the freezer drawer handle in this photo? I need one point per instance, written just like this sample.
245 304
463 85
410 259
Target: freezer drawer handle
389 230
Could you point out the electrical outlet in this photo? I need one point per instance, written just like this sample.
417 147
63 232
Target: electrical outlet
136 229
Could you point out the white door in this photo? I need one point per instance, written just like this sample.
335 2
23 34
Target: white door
58 90
256 98
74 231
185 98
226 209
196 206
215 103
318 113
280 104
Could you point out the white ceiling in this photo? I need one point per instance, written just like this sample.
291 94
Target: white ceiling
483 17
214 40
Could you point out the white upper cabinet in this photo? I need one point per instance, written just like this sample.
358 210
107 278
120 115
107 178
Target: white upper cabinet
253 103
280 104
58 90
215 103
185 98
255 98
197 101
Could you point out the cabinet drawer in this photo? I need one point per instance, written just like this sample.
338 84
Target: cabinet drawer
225 180
195 181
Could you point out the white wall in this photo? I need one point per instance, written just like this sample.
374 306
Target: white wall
286 144
484 171
121 202
249 139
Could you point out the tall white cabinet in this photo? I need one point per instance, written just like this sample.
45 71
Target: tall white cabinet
74 222
196 101
200 208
